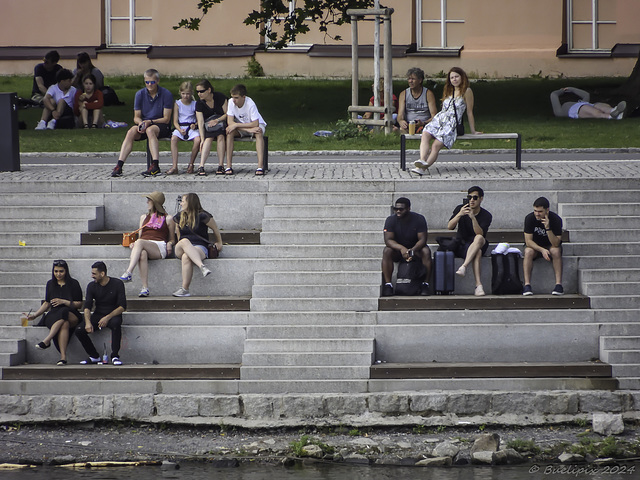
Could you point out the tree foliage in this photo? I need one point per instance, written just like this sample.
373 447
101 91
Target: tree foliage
324 13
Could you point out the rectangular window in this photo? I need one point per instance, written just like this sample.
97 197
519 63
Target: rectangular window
128 23
279 27
439 24
590 25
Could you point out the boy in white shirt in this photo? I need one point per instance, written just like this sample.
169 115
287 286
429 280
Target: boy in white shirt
58 101
244 120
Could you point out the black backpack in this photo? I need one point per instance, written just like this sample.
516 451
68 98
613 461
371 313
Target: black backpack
505 275
410 276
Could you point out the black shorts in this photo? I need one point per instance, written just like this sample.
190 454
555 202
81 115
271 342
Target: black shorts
165 131
461 250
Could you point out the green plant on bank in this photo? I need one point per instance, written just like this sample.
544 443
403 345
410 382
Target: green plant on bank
354 432
609 447
524 446
344 129
295 108
419 429
297 447
254 69
482 427
580 422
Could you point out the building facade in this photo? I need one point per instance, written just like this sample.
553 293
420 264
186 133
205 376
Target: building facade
488 38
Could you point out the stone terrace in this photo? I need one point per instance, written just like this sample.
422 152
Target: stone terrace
306 344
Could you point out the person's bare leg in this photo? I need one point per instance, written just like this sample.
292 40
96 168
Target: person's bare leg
206 148
435 150
230 143
425 145
527 264
260 147
63 340
174 151
476 267
194 150
152 135
55 328
387 264
127 143
221 147
587 111
556 260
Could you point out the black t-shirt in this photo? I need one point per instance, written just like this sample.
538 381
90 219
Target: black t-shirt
106 298
199 233
48 77
465 225
69 291
218 104
536 228
405 230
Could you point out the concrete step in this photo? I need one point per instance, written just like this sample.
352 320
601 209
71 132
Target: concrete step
605 235
25 278
318 278
601 221
12 352
629 383
604 195
34 238
13 330
501 384
60 213
607 275
64 199
343 372
313 304
620 329
321 238
312 318
614 302
283 332
451 317
606 316
598 249
301 345
317 291
626 370
334 386
375 224
324 359
626 342
115 387
330 198
615 357
611 288
328 211
609 261
600 209
47 225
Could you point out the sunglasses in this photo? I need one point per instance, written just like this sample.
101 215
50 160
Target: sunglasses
200 91
150 82
399 209
473 197
59 263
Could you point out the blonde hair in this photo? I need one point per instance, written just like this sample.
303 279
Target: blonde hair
189 216
449 90
186 87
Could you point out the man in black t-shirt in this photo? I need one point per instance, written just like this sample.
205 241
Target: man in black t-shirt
44 75
542 238
405 237
108 296
472 221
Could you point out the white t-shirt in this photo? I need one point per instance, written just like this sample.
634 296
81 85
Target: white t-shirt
54 92
247 114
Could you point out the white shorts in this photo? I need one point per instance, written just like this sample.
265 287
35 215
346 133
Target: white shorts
573 111
162 246
192 134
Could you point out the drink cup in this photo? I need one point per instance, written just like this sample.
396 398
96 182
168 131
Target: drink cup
25 320
412 127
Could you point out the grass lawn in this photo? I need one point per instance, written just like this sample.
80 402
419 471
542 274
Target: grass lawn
295 108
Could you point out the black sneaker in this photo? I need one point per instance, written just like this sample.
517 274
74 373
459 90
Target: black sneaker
424 289
558 290
387 290
527 290
117 171
153 170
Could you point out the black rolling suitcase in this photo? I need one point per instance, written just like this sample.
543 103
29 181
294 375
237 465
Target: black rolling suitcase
444 278
505 275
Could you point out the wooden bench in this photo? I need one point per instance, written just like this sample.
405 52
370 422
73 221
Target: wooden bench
241 139
231 237
479 136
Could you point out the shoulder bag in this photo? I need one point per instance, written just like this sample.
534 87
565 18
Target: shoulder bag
459 125
219 128
131 237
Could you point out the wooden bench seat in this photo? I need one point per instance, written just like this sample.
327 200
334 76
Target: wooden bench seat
190 304
480 136
487 302
230 237
242 139
493 236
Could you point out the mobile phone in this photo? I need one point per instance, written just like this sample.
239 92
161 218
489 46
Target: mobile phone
465 201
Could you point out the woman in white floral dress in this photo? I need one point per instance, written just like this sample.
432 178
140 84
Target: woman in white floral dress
441 131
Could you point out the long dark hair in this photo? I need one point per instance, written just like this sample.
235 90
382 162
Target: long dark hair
449 90
83 57
63 264
189 216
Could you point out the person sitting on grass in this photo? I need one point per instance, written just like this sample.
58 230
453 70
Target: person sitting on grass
244 120
58 103
152 109
87 104
184 119
84 67
44 75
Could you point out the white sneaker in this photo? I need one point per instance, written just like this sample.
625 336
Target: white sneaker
181 292
42 125
479 291
618 109
52 124
205 271
420 164
462 270
419 171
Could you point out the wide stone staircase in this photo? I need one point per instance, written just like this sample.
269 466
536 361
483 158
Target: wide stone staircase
300 312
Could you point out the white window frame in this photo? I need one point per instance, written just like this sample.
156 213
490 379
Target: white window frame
290 45
442 21
132 25
594 22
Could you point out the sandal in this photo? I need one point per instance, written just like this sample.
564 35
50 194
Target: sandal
220 170
228 171
259 171
94 125
61 363
86 125
201 172
190 168
171 171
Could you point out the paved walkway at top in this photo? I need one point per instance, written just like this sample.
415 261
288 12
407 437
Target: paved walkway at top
344 166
